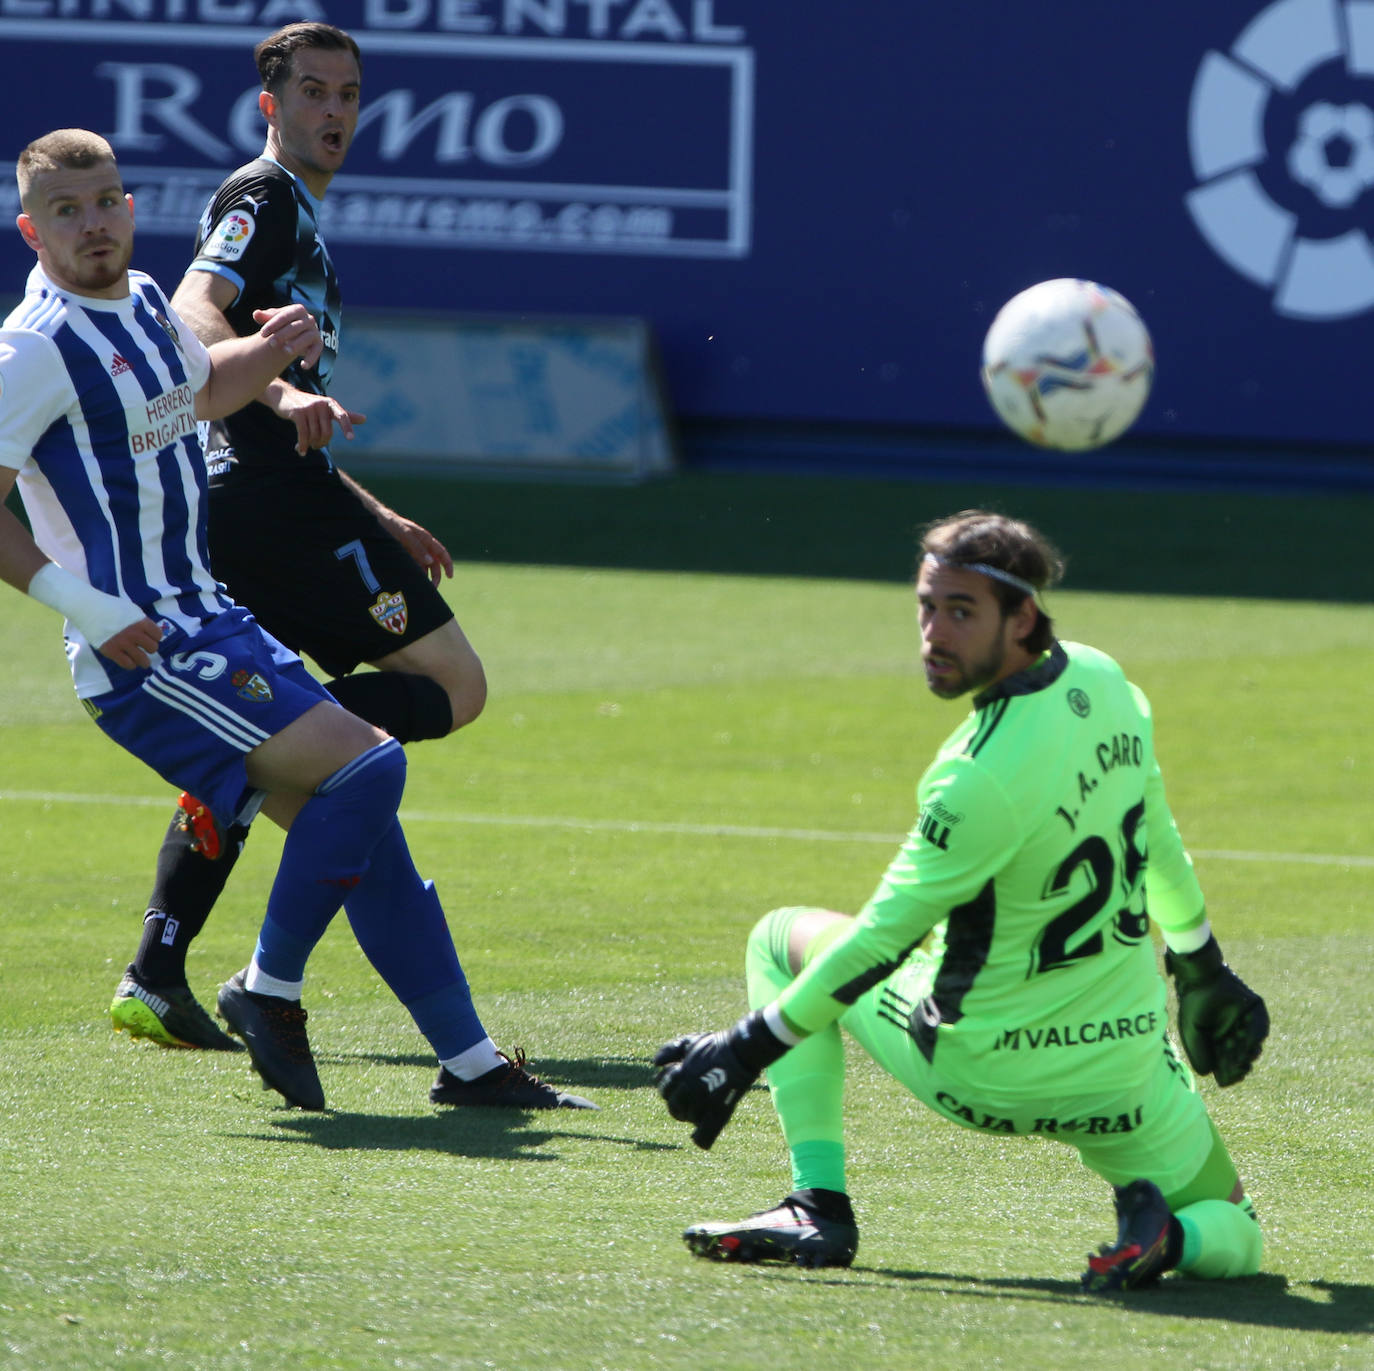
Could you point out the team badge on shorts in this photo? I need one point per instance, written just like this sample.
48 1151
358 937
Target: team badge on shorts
248 685
390 612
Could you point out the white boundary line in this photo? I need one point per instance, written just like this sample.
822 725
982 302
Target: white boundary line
803 835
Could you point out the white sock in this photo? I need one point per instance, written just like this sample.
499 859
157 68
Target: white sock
258 982
474 1061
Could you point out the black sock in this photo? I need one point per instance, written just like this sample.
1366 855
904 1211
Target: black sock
184 892
410 707
1173 1244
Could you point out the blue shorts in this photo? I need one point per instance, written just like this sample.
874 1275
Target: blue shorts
207 702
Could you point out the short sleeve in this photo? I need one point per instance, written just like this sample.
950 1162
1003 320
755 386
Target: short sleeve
251 236
197 356
34 392
194 356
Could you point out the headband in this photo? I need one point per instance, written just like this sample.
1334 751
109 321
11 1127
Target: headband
983 569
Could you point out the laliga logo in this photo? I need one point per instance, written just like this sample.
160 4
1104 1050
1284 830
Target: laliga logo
235 228
1302 73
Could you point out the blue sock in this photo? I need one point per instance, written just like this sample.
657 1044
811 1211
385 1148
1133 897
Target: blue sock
326 855
400 925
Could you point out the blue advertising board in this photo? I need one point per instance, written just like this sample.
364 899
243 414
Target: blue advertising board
505 395
818 209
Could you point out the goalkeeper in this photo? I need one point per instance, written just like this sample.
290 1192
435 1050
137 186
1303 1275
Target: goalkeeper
1003 970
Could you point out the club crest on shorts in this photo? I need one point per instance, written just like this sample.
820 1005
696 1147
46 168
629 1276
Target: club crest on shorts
249 685
390 611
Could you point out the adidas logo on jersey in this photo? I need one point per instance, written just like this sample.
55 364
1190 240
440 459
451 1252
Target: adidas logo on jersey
119 366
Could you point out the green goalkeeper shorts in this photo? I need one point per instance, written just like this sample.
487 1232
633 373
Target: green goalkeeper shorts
1151 1125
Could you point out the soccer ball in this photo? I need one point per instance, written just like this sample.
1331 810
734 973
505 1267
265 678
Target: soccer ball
1068 364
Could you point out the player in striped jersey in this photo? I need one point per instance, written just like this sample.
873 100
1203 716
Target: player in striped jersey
1003 969
101 385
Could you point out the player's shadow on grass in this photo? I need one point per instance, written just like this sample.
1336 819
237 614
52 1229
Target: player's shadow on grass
1266 1300
506 1134
576 1073
498 1133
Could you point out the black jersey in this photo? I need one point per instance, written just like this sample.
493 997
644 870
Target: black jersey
260 232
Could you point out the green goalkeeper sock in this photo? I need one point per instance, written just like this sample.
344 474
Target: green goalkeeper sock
807 1084
1220 1239
818 1165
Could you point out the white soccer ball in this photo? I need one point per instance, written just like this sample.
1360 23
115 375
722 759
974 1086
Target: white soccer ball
1068 364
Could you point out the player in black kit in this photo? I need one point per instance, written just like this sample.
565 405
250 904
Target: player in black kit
323 565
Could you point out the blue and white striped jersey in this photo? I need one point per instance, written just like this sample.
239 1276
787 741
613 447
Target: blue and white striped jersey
97 414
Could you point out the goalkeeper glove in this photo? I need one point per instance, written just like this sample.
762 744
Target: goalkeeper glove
703 1075
1222 1022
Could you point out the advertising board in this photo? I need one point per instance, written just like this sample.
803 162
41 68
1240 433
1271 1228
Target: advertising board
818 210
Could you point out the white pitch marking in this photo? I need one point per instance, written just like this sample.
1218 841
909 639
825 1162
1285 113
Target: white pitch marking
801 835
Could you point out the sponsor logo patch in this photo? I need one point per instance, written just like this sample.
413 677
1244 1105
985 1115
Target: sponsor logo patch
119 365
390 611
231 237
249 685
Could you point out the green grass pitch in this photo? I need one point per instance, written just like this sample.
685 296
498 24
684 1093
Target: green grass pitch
665 756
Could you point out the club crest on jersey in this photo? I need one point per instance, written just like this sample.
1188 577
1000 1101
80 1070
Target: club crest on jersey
249 685
390 611
231 237
167 327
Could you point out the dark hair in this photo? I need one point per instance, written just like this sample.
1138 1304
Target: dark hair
277 52
73 149
980 537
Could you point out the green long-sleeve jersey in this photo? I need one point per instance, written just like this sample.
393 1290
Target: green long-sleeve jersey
1043 846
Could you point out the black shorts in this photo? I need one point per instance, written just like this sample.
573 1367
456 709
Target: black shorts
317 571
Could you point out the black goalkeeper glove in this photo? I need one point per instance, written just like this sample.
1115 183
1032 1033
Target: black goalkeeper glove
703 1075
1222 1022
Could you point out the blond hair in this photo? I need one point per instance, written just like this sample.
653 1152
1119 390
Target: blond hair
70 149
